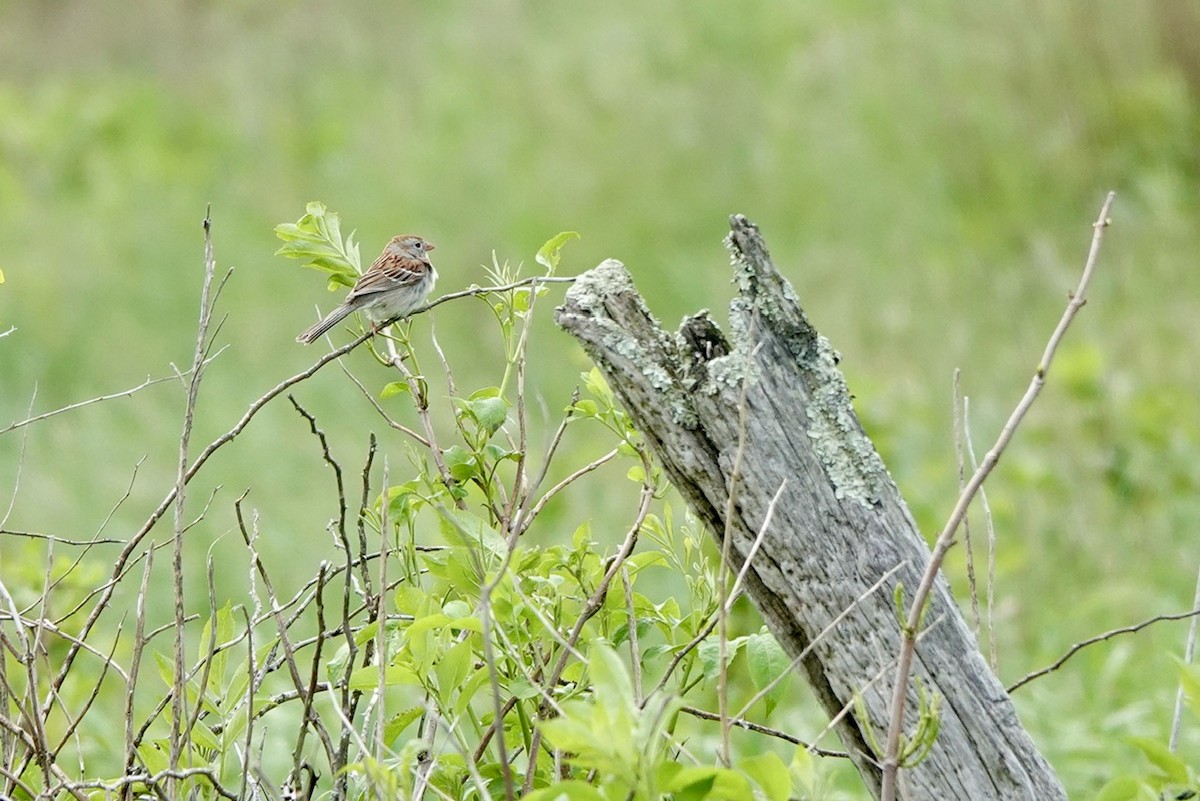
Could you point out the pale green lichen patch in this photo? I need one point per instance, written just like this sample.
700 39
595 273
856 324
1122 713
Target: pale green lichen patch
616 344
761 287
589 290
728 372
850 460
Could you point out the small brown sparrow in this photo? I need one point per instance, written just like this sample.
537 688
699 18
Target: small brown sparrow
394 286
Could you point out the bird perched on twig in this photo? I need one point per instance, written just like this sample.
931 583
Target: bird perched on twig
394 286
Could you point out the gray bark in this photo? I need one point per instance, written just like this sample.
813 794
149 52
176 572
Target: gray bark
840 523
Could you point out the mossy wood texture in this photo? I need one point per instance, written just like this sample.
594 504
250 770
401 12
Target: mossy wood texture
839 524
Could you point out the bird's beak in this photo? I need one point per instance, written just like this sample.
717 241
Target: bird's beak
429 246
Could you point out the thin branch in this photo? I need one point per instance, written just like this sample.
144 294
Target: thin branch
125 393
555 440
635 653
891 757
475 291
527 519
990 524
392 423
1108 635
139 643
1189 652
289 648
957 403
742 723
758 540
180 734
12 501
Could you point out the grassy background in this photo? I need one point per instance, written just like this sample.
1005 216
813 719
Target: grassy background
926 178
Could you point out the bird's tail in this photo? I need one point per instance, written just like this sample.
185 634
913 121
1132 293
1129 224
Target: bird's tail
311 335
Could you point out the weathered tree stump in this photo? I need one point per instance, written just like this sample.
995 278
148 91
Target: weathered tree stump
773 388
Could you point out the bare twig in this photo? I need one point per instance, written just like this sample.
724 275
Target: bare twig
1108 635
379 618
527 519
635 653
392 423
519 516
891 757
1189 652
758 539
12 501
125 393
990 524
285 642
180 735
249 741
960 459
742 723
139 643
476 291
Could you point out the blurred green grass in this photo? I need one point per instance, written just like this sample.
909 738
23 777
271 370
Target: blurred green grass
925 176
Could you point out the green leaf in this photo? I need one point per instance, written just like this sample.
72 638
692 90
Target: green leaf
549 254
709 652
766 661
645 559
203 736
701 782
497 453
465 529
489 413
316 239
468 689
612 684
770 774
1189 680
594 383
691 783
454 667
1172 767
224 633
166 669
1126 788
409 600
460 462
804 769
636 473
401 498
1 276
154 756
898 604
398 723
367 678
585 408
569 733
573 790
394 388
